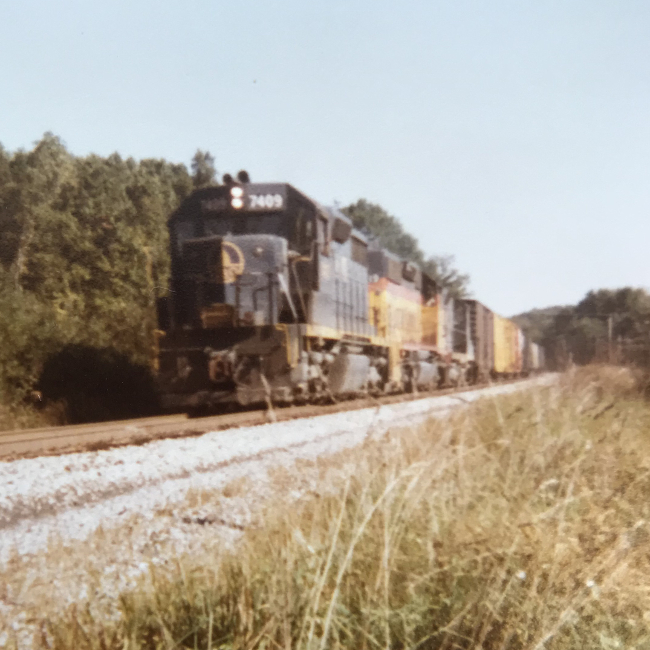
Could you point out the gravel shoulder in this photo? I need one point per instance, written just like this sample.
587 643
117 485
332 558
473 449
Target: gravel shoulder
72 494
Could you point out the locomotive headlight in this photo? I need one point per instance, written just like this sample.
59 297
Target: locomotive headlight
237 203
237 192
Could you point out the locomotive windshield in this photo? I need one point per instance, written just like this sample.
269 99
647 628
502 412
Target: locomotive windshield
297 228
247 224
275 223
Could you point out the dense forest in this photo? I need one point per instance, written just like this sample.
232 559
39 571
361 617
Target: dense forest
83 257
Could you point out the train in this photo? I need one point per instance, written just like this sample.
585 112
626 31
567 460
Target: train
277 299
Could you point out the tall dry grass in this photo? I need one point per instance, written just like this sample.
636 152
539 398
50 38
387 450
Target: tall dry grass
520 523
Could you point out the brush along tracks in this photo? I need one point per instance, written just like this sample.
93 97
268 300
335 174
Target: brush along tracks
52 441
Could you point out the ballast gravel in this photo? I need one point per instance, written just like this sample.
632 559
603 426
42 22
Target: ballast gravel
72 494
67 499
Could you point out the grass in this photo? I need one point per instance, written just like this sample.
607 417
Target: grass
26 416
520 523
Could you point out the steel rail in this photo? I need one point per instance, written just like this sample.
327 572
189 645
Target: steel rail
47 441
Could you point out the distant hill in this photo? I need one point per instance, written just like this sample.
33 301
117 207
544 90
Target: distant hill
538 322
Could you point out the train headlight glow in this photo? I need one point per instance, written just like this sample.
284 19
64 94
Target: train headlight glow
237 192
237 203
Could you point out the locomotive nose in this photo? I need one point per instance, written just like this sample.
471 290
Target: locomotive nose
256 277
237 279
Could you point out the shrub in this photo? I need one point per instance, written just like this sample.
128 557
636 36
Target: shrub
97 384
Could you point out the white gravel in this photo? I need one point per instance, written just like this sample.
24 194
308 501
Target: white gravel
70 496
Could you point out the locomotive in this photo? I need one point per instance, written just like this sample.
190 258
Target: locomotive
275 298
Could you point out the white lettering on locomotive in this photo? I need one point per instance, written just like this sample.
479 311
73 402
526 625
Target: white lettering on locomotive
265 201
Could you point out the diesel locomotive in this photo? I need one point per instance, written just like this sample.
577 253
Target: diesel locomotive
276 298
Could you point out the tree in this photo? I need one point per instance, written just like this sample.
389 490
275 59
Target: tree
537 322
378 224
441 269
9 228
83 254
28 332
27 196
203 170
602 321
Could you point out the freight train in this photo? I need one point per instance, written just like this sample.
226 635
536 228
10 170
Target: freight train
275 298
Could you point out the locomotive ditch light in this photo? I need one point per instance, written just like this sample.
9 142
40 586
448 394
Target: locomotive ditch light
237 203
236 192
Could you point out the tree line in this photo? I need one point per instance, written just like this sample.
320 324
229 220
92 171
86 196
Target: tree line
607 325
378 224
84 254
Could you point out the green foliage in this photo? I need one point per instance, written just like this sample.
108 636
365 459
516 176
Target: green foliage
83 256
536 322
28 331
378 224
441 269
204 172
607 324
374 220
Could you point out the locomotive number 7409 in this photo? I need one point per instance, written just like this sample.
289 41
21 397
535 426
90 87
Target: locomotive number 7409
264 201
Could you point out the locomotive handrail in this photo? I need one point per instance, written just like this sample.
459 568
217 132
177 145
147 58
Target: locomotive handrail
271 275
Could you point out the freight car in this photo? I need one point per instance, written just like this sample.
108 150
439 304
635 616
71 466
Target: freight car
276 298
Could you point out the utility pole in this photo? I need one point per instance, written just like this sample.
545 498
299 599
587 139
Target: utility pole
610 329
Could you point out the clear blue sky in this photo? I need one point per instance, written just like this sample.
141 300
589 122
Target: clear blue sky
514 135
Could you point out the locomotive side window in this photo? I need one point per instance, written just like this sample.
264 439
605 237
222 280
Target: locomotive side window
303 231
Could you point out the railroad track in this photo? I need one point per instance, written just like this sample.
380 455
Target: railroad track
48 441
